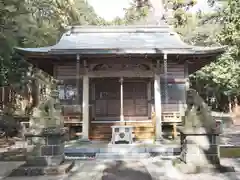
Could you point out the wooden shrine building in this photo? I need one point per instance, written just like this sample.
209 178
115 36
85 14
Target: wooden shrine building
121 75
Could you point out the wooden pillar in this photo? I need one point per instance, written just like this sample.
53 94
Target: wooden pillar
121 100
85 107
165 66
78 80
158 105
174 133
93 96
78 101
149 96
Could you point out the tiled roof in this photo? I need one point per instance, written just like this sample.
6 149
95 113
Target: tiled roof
120 39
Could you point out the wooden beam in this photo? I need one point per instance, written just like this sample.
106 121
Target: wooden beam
121 100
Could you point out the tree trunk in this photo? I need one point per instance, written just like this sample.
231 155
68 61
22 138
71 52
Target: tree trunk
235 101
229 104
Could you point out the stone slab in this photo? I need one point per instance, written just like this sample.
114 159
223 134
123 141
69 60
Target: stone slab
7 167
37 178
26 171
120 149
118 156
116 149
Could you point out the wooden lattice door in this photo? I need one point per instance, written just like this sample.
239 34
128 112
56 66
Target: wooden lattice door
135 100
107 98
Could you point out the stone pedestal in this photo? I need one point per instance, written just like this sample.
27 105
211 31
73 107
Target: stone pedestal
202 146
200 153
46 133
45 154
46 148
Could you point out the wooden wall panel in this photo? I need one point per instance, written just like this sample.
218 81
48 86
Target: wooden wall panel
174 70
68 70
176 92
107 97
141 107
71 103
135 98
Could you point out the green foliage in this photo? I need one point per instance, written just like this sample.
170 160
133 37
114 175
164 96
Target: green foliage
36 23
224 74
221 27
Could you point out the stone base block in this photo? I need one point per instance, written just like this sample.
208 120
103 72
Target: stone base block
17 154
26 170
44 161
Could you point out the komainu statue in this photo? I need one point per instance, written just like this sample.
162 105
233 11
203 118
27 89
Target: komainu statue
199 138
46 133
46 111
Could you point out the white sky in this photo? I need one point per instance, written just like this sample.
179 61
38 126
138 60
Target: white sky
109 9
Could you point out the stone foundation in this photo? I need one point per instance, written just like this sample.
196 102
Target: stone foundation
191 147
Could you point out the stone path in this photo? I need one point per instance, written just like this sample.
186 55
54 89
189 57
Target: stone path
87 170
125 170
144 169
109 170
163 170
231 136
7 167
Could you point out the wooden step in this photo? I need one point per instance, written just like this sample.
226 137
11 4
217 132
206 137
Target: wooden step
123 124
137 136
139 128
101 137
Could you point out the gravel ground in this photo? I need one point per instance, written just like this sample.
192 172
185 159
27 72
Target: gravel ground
6 167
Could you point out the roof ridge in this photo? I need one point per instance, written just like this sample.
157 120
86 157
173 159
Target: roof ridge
122 26
119 29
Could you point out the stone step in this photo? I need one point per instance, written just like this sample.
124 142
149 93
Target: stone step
26 170
119 156
7 167
17 154
122 149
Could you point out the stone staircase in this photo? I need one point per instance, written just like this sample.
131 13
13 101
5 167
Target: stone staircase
122 156
118 152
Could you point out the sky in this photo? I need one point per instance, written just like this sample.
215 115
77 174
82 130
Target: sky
109 9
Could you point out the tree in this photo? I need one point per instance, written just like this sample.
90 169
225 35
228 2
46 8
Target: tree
22 22
223 76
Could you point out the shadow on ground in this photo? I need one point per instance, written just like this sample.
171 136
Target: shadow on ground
120 170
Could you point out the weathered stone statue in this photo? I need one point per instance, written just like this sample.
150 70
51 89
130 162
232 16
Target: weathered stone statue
46 134
199 138
47 113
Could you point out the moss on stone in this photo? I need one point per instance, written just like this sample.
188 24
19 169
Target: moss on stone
229 152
